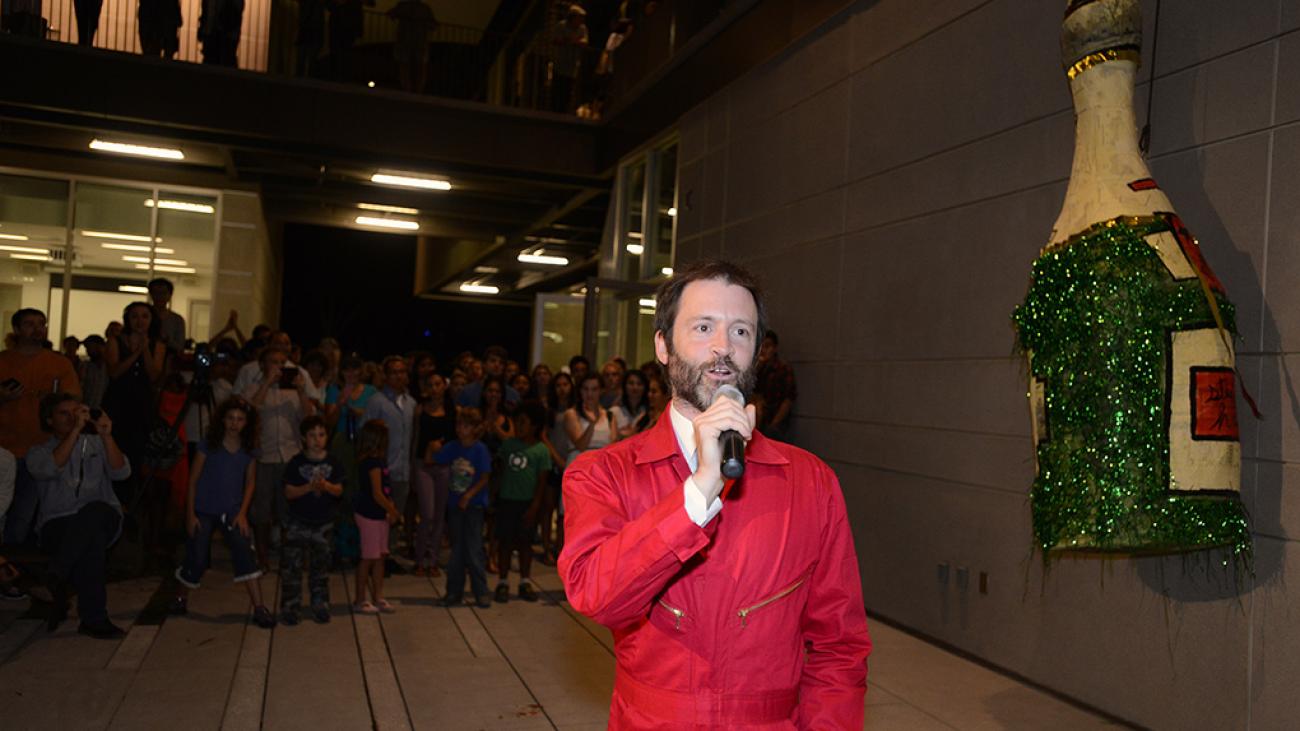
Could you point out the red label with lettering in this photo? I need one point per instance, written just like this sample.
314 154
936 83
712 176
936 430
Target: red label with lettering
1143 184
1192 251
1214 404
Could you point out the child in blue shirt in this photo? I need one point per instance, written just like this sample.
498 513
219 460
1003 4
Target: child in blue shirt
313 488
222 479
471 466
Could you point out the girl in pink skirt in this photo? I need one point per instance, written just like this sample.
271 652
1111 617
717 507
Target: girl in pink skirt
375 512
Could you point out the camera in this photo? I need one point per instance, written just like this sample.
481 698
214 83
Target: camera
89 428
203 360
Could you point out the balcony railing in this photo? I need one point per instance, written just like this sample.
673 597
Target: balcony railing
394 47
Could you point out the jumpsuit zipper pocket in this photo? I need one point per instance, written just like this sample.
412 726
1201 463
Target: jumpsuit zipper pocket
744 613
677 613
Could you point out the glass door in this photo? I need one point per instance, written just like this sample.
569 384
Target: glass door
619 321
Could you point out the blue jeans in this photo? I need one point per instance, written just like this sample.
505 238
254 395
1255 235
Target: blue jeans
198 550
465 528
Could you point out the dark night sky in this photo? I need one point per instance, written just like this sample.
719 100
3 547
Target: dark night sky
357 286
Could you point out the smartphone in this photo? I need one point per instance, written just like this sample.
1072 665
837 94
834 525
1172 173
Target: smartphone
287 377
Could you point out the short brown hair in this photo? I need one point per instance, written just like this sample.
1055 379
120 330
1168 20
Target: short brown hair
670 293
470 416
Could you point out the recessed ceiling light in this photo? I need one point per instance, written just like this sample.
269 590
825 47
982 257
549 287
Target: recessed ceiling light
486 270
13 237
635 249
133 247
147 260
540 258
133 288
181 206
478 288
388 209
667 271
410 181
30 257
672 211
25 250
114 235
646 302
177 270
396 223
125 148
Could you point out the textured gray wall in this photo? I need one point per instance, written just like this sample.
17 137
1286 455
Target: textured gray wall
892 177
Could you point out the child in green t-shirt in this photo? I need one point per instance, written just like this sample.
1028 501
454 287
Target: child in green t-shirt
525 462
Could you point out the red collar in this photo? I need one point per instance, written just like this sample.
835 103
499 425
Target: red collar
661 443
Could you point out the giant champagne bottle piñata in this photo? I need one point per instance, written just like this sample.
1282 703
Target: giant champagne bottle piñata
1129 336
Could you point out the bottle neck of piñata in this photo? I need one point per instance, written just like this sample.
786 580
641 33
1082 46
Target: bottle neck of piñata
1108 177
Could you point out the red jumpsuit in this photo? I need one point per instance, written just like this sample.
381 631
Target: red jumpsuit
755 621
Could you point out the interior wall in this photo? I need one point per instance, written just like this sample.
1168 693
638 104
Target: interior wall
892 177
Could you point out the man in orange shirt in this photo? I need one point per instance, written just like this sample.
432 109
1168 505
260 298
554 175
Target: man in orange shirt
28 372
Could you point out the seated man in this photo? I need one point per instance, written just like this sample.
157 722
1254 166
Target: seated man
79 516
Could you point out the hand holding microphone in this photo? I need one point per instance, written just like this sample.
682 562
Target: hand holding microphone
720 436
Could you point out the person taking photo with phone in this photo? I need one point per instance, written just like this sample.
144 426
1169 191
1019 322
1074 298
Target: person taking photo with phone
282 403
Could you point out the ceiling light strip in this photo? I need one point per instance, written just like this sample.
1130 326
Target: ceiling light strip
126 148
394 223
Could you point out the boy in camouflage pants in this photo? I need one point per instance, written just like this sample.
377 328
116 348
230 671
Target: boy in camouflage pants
313 486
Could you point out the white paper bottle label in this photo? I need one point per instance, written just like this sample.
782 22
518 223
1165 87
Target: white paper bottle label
1204 439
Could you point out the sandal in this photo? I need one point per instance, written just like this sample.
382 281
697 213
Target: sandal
365 608
385 606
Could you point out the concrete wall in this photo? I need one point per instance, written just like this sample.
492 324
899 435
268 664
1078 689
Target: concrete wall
892 176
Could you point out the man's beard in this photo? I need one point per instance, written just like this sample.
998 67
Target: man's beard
691 383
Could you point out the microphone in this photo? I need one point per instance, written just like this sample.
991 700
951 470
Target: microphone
733 445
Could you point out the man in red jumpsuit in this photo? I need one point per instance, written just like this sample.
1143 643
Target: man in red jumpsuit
747 616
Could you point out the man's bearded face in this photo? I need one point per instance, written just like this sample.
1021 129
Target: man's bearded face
691 382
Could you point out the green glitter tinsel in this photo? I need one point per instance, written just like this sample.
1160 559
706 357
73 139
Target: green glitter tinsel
1095 322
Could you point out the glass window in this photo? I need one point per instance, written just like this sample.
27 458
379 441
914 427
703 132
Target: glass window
665 212
33 233
187 228
633 237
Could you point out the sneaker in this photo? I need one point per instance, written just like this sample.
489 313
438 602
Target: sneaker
11 593
527 592
503 593
263 618
180 605
448 601
104 630
484 601
289 617
385 606
320 614
365 608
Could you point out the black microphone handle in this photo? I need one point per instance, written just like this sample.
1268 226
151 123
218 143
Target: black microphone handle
733 454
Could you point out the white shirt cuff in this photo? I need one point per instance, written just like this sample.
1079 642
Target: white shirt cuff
695 507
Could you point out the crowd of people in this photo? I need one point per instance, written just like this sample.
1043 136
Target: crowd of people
319 457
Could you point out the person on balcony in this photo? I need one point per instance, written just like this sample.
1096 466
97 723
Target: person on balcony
160 23
415 21
570 40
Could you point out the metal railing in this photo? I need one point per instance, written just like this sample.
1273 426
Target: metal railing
119 29
390 50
